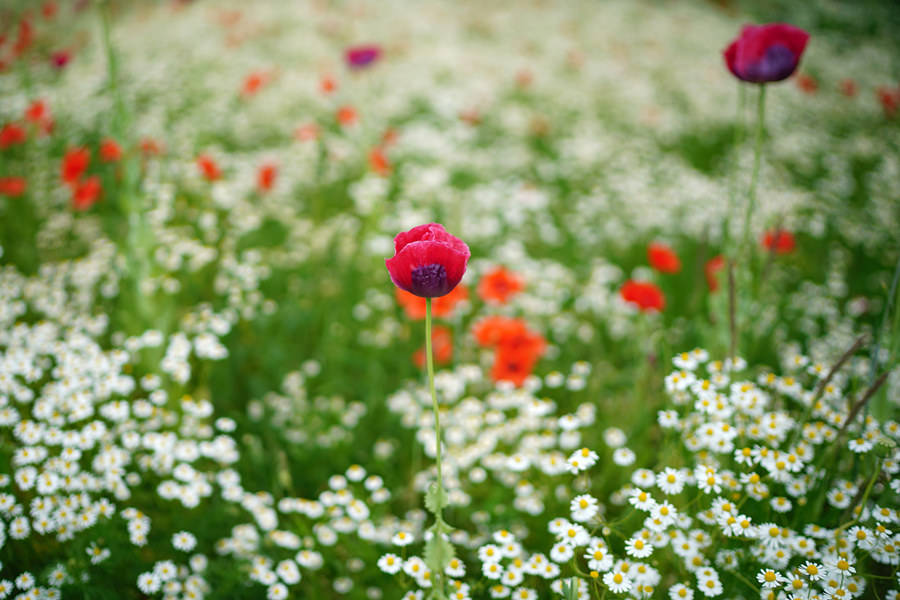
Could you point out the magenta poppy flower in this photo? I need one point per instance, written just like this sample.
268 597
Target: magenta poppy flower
765 53
359 57
427 261
60 59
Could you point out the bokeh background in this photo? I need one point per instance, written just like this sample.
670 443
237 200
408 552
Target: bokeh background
260 179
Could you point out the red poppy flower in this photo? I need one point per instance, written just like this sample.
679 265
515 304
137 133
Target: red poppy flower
208 167
807 84
848 88
443 306
25 37
359 57
74 164
512 334
49 10
12 186
427 261
110 151
327 84
518 348
307 132
489 330
662 258
889 99
253 83
389 137
513 366
10 135
441 344
470 116
645 295
378 161
517 338
524 78
766 53
265 177
499 285
575 58
150 147
86 193
37 112
779 241
711 270
347 116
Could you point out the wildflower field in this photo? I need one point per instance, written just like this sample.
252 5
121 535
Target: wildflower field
450 300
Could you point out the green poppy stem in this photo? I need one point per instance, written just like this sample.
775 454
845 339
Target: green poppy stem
438 564
733 179
429 357
754 178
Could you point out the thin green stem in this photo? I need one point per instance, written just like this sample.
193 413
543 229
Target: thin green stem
757 159
874 356
732 184
119 124
434 403
745 580
862 502
138 240
439 513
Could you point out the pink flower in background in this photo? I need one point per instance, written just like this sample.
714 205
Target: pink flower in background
61 58
362 56
766 53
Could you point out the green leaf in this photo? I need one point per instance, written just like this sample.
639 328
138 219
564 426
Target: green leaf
438 554
569 589
435 499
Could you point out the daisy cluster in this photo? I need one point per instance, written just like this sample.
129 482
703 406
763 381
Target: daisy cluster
759 449
495 440
750 509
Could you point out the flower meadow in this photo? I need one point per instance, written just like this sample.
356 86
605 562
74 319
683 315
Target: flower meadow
380 300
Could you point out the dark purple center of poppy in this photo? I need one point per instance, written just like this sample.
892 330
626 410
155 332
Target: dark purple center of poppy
776 64
429 280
